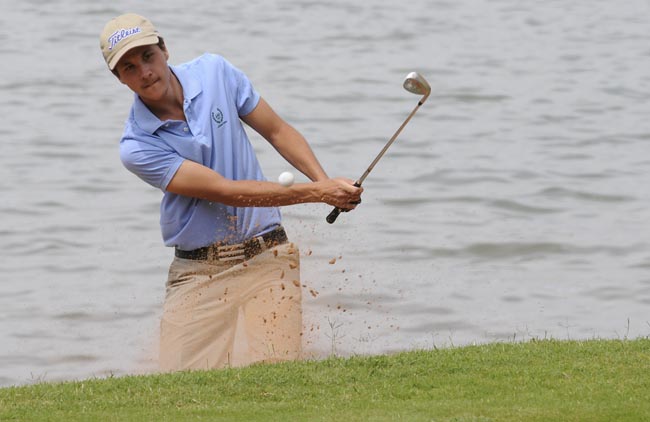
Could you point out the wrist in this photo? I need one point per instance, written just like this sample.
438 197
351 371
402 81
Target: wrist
315 191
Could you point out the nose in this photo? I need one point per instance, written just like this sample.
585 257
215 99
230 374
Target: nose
145 71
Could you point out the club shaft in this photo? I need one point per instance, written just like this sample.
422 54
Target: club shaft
331 218
388 144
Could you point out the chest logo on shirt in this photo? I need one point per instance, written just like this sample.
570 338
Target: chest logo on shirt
217 116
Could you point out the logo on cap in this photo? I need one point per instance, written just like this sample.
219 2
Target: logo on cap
121 34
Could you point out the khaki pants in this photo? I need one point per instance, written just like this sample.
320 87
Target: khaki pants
218 314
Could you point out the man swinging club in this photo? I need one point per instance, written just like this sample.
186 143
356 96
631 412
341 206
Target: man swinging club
233 262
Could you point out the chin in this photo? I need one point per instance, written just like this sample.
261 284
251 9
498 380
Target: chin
152 92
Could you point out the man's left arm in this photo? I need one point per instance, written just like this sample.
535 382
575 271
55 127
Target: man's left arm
286 140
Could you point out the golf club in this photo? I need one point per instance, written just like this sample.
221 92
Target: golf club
416 84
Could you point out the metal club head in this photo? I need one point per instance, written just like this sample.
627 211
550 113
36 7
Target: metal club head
416 84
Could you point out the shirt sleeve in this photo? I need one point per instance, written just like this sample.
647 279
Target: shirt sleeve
246 97
153 164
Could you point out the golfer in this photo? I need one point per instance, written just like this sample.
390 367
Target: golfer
233 295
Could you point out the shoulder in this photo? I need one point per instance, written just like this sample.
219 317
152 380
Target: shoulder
213 70
206 61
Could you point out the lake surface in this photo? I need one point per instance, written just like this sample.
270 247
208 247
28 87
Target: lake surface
515 204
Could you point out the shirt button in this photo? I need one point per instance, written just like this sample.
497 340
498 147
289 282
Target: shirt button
185 129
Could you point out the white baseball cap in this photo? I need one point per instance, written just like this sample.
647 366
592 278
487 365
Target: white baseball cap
123 33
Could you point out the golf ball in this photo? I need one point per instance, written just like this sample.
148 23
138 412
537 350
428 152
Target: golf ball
286 179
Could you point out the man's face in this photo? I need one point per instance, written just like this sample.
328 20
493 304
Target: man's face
144 69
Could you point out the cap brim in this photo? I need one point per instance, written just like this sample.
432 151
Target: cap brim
148 40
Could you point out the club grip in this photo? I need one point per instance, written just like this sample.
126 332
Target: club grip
336 211
333 215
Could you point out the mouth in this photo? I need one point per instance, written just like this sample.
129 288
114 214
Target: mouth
150 84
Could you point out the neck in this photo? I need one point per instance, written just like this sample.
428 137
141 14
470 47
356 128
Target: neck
171 105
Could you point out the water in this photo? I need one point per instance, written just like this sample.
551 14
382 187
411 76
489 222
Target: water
513 206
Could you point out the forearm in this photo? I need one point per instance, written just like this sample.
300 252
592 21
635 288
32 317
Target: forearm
250 193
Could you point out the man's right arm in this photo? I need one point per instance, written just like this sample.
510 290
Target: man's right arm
195 180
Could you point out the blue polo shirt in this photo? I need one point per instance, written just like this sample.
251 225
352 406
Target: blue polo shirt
215 94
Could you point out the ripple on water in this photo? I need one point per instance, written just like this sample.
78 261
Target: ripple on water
512 299
493 251
73 358
562 192
609 293
447 177
514 207
437 326
93 317
643 264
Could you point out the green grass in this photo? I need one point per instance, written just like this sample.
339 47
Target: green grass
548 380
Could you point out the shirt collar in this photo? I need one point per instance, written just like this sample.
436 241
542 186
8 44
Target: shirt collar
191 89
